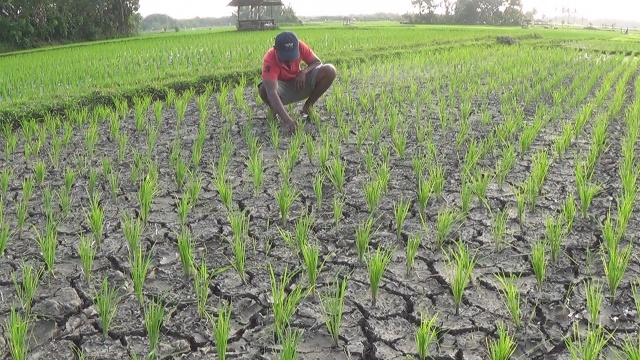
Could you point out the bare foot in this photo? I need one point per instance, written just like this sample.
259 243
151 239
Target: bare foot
306 109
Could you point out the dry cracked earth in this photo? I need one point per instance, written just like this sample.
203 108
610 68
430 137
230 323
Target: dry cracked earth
66 317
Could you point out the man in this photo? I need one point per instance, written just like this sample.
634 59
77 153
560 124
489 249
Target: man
284 82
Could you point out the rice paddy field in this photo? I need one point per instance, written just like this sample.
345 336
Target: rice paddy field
449 198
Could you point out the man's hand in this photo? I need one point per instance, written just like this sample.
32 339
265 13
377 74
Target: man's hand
290 126
301 79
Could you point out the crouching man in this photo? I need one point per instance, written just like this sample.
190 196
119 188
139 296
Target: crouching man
284 82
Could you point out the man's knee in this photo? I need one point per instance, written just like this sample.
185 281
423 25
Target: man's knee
327 72
263 93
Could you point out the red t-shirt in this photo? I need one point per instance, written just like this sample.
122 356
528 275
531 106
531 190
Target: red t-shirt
272 68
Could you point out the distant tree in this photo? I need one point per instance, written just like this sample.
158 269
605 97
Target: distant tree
513 13
467 12
28 23
424 6
282 14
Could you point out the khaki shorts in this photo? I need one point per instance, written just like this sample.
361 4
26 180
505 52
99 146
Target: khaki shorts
287 89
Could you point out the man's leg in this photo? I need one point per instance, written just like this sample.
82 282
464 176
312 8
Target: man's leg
324 79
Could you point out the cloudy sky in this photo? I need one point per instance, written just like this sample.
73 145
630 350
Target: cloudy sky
182 9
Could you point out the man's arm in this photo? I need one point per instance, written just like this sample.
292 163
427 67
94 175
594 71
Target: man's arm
313 63
309 57
271 86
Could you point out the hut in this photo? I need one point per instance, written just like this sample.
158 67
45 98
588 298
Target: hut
259 15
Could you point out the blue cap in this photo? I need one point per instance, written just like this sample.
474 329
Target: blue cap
287 46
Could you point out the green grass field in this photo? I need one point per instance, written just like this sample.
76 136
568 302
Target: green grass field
56 78
450 197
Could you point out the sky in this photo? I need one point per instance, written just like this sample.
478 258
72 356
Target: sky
185 9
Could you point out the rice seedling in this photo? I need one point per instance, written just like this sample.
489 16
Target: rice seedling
539 260
569 212
311 256
317 189
5 234
289 342
201 280
95 218
39 171
335 173
255 164
147 191
30 282
562 143
87 253
629 349
93 180
221 328
586 190
424 192
400 210
193 190
240 226
363 237
48 199
385 151
225 190
591 346
303 228
425 335
106 301
615 261
139 270
383 176
91 138
436 176
593 293
285 197
413 243
122 140
555 236
27 188
636 294
132 228
186 246
338 204
502 348
283 304
512 296
373 192
48 243
332 308
445 220
625 210
17 328
5 178
461 264
369 159
22 208
154 313
275 134
498 227
183 207
377 265
506 164
399 138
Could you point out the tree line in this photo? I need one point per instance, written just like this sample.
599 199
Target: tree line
161 22
485 12
29 23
